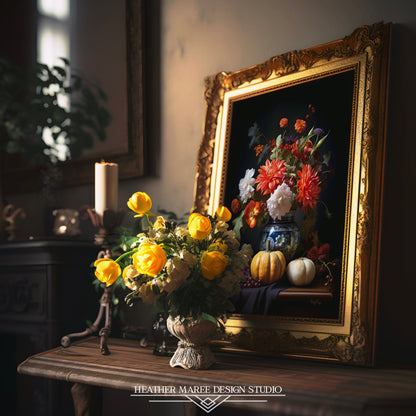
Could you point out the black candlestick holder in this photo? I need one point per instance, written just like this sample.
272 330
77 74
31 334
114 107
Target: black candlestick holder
105 238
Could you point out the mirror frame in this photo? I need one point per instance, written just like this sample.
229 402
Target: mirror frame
351 337
132 162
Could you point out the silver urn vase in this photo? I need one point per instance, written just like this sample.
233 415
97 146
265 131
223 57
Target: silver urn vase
193 351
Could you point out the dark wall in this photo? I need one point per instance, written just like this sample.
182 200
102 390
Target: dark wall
18 31
396 341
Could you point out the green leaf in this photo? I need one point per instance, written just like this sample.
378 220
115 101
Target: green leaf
320 142
209 317
255 140
279 141
238 225
327 158
303 143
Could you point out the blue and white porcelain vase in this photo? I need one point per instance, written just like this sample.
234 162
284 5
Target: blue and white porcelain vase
283 235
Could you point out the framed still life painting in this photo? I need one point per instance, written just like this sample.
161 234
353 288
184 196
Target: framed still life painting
301 138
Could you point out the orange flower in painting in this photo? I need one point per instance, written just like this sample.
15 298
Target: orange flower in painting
300 125
307 148
251 213
306 151
270 176
258 149
235 205
284 122
308 187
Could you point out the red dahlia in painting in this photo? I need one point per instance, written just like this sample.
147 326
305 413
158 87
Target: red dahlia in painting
308 187
270 176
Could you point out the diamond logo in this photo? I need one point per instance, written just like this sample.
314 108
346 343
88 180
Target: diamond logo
207 404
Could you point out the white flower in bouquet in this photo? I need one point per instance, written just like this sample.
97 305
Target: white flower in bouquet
246 185
177 272
280 201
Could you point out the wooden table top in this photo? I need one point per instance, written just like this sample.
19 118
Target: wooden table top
308 385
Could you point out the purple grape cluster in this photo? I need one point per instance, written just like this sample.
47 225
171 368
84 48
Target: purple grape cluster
249 282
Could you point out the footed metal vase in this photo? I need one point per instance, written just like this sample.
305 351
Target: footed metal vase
193 351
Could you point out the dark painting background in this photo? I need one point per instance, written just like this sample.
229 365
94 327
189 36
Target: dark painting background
332 98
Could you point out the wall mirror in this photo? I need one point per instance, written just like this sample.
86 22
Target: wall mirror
125 144
344 84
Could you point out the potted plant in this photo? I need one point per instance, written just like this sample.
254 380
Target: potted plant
38 122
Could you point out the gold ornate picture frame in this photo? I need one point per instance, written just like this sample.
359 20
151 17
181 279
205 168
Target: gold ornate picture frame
352 75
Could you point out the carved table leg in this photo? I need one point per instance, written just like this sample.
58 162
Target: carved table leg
87 400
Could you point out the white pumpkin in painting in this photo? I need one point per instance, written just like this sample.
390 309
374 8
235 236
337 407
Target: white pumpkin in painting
301 271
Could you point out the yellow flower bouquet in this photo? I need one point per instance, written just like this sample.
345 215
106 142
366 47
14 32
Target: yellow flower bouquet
186 271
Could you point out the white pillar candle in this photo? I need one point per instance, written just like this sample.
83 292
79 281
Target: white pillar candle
106 187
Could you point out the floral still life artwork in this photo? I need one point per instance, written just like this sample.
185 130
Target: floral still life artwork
291 173
292 169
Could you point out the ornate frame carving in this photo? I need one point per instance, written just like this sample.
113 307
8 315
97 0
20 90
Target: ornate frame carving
350 338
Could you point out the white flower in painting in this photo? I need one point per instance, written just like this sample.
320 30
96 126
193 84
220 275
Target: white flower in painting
246 185
280 201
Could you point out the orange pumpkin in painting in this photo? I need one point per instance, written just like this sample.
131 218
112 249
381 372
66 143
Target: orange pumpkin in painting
268 266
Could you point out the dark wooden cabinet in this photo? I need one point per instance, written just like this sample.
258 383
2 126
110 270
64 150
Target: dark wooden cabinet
45 292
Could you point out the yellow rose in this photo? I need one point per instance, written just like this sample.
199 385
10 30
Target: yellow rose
213 263
107 271
223 214
199 226
149 259
140 203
